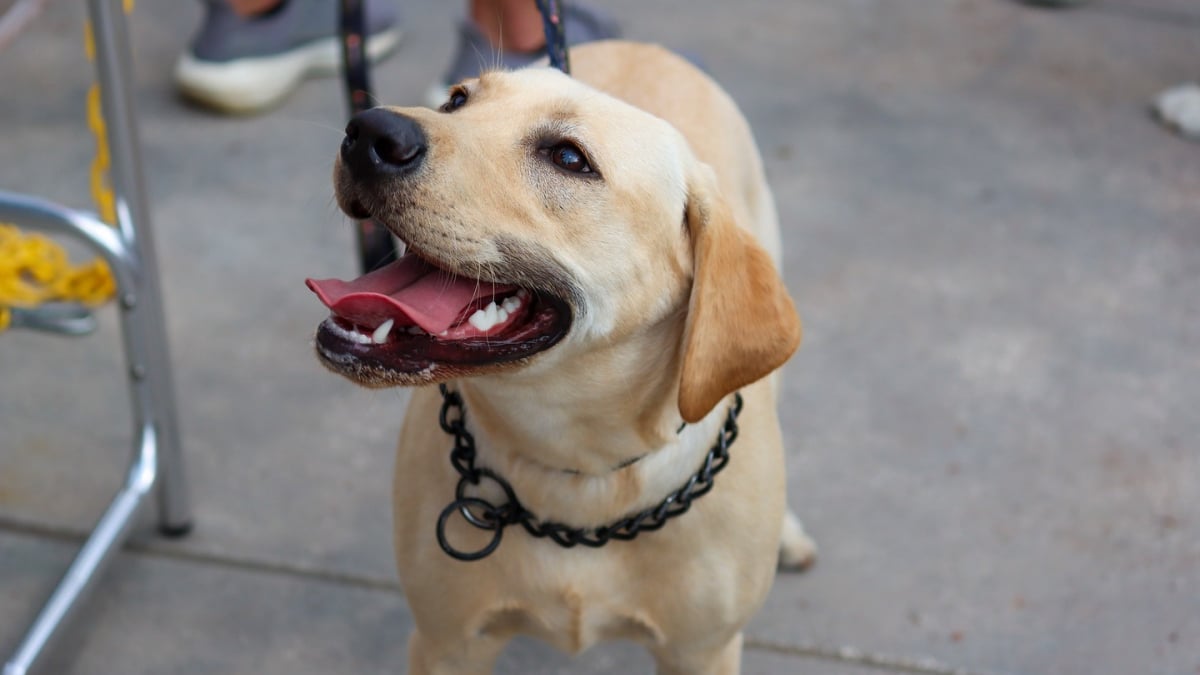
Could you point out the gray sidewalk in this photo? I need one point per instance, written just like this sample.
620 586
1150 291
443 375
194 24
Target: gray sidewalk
993 424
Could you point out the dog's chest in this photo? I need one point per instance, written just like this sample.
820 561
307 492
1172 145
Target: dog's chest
647 591
572 619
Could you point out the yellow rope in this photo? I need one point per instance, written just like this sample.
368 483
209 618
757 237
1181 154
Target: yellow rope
34 269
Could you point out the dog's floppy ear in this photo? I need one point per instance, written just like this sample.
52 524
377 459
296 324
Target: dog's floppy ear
741 323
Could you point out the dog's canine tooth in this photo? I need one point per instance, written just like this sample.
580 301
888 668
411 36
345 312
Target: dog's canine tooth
381 334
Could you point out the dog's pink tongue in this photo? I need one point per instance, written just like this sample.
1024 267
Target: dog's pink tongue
409 291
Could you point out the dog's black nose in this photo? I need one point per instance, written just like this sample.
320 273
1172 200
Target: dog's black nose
382 143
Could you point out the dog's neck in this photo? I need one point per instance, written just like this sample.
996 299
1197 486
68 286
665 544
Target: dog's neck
572 422
560 436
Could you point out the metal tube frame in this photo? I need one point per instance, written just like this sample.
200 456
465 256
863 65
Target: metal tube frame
129 251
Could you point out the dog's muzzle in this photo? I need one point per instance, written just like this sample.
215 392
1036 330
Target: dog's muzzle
380 143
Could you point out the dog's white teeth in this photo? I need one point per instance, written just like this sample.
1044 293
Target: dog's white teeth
523 294
481 320
351 334
381 334
494 314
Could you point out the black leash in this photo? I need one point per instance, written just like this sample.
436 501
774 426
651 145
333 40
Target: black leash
555 25
488 516
375 245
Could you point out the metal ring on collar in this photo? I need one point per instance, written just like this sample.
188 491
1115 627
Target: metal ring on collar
461 506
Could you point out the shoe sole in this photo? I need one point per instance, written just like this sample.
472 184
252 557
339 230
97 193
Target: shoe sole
250 85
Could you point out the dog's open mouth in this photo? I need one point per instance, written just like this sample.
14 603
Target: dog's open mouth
410 317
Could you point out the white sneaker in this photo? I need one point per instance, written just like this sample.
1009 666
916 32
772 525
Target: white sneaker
241 65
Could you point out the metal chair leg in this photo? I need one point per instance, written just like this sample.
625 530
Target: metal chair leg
129 251
146 342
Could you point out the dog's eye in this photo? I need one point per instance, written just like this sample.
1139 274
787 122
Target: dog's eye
458 98
569 157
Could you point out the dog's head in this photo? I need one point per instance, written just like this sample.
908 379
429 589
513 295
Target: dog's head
544 219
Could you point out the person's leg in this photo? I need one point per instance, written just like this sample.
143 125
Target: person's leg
509 34
250 54
514 25
253 7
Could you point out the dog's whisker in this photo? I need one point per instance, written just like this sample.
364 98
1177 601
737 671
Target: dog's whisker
498 50
480 59
319 125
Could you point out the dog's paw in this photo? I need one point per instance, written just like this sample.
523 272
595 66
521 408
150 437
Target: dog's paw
797 550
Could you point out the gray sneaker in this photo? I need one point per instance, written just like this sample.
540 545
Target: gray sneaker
475 53
244 65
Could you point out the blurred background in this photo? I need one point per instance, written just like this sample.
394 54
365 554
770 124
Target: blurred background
993 426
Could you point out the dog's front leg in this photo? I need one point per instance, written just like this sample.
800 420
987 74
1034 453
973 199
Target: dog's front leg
723 659
452 655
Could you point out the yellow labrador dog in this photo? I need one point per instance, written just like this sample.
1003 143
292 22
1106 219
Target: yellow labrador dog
591 310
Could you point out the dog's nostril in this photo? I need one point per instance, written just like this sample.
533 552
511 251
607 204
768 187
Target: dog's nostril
391 152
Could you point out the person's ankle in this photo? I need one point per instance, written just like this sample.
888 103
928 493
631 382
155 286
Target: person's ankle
257 9
509 34
501 41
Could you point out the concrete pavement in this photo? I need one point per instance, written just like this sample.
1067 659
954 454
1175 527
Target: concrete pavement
993 424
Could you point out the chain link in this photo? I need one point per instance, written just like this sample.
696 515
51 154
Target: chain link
484 515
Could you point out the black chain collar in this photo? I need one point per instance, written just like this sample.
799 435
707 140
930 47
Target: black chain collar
487 516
